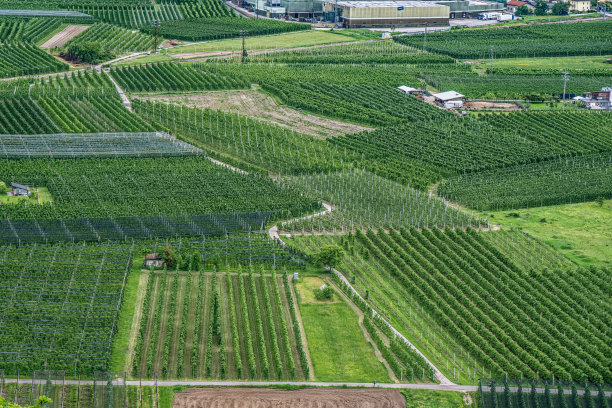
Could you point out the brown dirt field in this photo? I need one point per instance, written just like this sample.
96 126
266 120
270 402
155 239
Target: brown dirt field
262 107
304 398
497 106
63 36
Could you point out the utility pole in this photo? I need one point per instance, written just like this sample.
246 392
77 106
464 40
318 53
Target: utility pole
156 25
565 78
491 59
243 34
425 38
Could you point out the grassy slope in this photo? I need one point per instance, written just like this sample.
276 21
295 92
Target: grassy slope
338 349
582 232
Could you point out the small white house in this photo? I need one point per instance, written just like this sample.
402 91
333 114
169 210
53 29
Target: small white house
598 100
449 99
153 261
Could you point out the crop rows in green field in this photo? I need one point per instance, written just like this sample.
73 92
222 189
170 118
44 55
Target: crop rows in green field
88 395
60 305
30 30
77 145
374 52
50 114
147 186
136 14
116 39
529 87
230 325
364 200
27 59
469 307
257 143
218 27
543 40
559 181
174 78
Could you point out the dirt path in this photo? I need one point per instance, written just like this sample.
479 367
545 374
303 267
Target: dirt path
262 107
63 36
274 398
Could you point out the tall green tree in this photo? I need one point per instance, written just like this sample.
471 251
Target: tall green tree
561 8
541 8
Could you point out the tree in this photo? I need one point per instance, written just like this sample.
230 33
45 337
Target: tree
561 400
169 256
89 51
561 8
535 399
541 8
522 11
329 255
4 188
507 400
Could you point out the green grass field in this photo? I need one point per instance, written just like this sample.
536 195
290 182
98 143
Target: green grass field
39 195
278 41
435 399
338 348
582 232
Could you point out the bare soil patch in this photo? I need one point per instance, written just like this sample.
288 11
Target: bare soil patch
304 398
263 107
63 36
493 106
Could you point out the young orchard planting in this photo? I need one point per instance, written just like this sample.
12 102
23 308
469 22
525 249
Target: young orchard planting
240 328
27 30
365 200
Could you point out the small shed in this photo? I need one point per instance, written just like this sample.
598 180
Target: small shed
153 261
408 90
449 99
19 190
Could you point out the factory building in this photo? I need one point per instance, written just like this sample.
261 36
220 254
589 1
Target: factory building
397 13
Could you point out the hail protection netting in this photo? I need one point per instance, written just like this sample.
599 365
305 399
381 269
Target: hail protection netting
48 383
109 390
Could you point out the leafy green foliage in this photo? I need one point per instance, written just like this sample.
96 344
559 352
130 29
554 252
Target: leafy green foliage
27 59
545 40
553 182
78 337
117 40
329 255
101 187
218 27
27 30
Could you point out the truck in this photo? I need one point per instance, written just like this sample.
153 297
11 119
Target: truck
489 16
505 17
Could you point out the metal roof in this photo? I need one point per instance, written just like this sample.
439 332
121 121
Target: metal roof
448 95
385 4
15 185
406 88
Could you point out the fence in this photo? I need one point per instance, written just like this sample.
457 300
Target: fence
511 393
